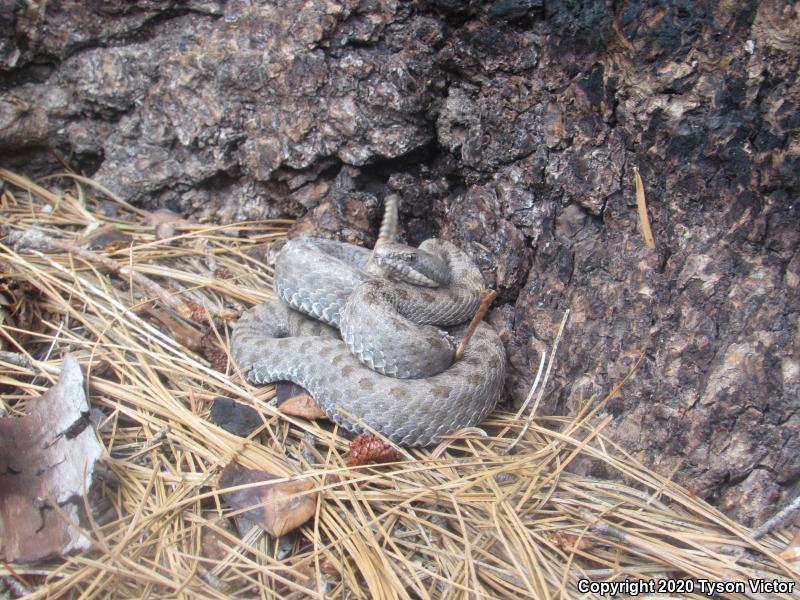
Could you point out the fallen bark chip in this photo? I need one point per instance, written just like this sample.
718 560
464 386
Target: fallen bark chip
164 222
284 390
106 239
47 456
370 448
570 542
295 401
235 417
277 507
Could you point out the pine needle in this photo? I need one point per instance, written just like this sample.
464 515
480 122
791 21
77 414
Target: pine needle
641 205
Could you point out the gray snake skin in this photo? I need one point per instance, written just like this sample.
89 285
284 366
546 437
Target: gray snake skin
377 353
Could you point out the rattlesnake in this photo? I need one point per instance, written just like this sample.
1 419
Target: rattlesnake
377 354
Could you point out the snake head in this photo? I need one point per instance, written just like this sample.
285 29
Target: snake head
404 263
406 257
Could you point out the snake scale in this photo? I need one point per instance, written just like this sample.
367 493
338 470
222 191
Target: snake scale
371 335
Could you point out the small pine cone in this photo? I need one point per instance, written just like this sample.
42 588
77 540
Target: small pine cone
370 449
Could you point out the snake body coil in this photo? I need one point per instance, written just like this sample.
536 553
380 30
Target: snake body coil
376 353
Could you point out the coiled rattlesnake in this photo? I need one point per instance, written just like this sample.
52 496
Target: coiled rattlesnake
384 361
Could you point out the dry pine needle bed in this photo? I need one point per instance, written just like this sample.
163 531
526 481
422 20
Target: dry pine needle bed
147 315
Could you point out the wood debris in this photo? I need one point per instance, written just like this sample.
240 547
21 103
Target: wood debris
641 206
47 461
294 401
165 221
106 238
569 542
277 507
235 417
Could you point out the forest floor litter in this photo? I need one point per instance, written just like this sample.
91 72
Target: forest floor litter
144 302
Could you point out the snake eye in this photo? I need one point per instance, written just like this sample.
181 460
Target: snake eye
401 256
